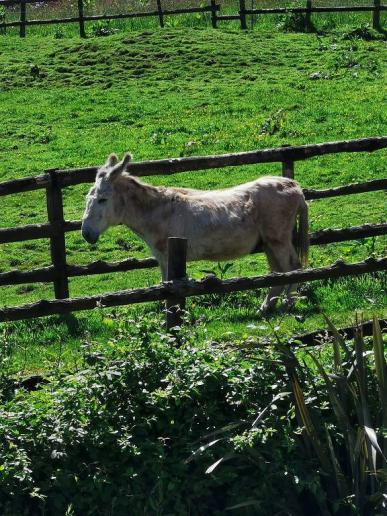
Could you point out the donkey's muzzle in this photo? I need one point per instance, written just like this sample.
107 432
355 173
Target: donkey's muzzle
90 236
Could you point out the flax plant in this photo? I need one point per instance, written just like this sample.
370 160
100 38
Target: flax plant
351 448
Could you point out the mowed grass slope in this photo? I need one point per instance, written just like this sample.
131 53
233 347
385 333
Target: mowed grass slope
166 93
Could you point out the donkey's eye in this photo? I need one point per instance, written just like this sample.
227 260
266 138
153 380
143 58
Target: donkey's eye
101 201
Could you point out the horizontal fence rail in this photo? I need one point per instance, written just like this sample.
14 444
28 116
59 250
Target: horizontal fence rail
212 8
48 230
319 337
171 166
47 274
317 9
54 180
188 288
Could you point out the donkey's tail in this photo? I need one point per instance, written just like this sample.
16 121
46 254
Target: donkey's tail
302 240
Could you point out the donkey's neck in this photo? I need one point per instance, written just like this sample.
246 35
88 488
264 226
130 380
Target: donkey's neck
140 205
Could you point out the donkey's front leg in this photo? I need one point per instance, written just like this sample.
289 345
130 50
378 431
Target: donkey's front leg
270 301
163 269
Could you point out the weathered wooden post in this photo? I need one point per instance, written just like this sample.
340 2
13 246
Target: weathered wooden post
161 14
177 260
57 240
376 15
82 31
288 169
308 16
213 13
22 29
242 13
287 166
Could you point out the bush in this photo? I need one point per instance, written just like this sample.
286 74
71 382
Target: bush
152 423
102 28
293 21
364 32
118 433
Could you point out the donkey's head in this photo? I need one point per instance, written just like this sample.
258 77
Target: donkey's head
101 209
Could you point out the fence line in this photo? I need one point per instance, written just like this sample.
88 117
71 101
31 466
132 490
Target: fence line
47 274
318 337
213 8
56 228
54 180
182 288
288 153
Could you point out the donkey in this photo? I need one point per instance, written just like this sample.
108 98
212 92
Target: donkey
218 224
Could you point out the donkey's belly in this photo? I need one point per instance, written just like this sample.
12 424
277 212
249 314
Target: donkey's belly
216 249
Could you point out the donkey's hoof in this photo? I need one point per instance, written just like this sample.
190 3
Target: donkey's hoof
265 311
287 305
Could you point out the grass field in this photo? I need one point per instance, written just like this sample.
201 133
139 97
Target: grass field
178 92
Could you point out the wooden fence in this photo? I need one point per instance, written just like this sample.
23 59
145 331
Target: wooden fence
53 181
213 8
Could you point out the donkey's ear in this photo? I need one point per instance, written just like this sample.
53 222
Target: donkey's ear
119 168
111 161
126 160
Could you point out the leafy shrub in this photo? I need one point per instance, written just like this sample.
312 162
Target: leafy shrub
364 32
293 21
102 28
146 416
118 432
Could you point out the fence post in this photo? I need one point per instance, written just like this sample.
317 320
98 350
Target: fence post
177 259
308 16
161 15
242 13
57 241
213 13
22 29
82 32
376 15
288 169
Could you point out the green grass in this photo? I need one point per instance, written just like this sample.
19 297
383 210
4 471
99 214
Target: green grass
178 92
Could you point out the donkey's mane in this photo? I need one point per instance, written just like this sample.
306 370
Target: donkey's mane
142 191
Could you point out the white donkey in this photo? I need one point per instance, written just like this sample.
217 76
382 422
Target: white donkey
218 224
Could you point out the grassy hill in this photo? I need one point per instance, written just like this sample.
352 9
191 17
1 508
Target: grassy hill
179 92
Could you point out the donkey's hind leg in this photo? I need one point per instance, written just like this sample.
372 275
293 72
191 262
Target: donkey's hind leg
291 289
278 256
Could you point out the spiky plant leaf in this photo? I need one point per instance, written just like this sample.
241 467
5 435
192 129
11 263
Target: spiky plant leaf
341 484
219 461
263 412
308 424
380 361
202 449
336 403
371 434
248 503
338 340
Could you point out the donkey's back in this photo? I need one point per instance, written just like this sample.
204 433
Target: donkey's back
228 223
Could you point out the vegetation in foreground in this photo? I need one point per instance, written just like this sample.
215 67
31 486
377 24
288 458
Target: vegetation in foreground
160 424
